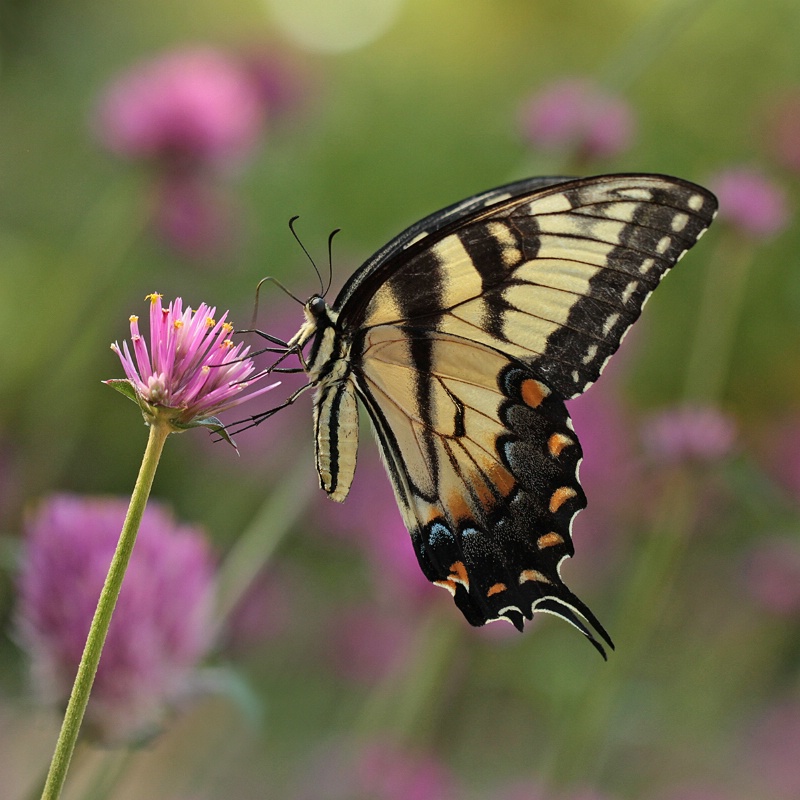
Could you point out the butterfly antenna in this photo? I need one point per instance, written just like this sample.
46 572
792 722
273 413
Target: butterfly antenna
308 255
330 260
269 279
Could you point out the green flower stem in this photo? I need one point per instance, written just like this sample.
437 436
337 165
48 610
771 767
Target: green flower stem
159 430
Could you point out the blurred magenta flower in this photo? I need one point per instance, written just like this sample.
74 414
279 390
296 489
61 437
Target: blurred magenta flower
162 623
750 202
192 370
784 131
190 106
578 115
688 433
772 570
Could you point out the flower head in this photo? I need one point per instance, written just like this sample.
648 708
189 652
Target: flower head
750 202
576 114
162 622
192 370
190 106
689 433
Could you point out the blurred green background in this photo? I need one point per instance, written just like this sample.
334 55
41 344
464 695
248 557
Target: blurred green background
376 132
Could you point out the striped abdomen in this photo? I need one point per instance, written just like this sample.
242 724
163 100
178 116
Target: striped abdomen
335 413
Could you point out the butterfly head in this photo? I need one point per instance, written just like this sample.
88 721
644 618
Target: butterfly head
318 317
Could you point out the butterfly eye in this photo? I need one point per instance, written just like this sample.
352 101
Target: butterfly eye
317 306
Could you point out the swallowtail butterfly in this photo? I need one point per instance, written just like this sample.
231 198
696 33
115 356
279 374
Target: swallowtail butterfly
463 337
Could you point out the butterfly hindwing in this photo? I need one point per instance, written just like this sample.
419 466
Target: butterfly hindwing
484 464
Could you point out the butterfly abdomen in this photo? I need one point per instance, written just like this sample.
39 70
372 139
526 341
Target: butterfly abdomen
335 412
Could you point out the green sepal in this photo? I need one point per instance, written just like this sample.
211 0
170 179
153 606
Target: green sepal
123 386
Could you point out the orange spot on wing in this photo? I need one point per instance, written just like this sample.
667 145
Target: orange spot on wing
533 575
549 540
533 392
560 496
496 589
458 574
557 442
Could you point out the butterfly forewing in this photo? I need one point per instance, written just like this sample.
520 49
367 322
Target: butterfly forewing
555 279
463 336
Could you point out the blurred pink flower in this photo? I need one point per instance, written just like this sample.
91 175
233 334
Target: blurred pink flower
772 750
773 574
195 105
162 622
750 202
784 131
688 433
192 369
576 114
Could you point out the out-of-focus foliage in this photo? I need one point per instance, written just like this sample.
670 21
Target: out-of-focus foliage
337 672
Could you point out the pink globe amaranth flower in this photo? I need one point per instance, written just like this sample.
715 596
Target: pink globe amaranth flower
191 369
772 575
750 202
195 105
689 433
161 626
575 114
